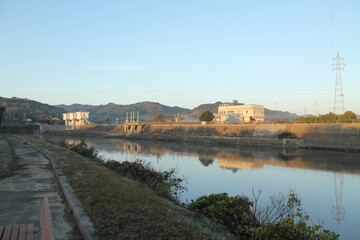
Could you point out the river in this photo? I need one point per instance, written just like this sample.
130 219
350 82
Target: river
327 182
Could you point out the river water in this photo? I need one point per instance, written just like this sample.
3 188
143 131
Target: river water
327 182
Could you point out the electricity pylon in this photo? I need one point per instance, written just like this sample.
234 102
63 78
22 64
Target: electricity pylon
338 95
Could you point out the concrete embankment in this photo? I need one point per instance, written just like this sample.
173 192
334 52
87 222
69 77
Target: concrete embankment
343 136
322 136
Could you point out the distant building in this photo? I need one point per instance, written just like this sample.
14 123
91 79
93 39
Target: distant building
76 119
238 112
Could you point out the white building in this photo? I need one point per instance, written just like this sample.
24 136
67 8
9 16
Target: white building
76 119
232 112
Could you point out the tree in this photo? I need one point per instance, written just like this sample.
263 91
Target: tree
206 116
2 111
348 116
158 118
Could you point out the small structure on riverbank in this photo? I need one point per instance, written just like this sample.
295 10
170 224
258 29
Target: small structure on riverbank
239 112
76 119
132 124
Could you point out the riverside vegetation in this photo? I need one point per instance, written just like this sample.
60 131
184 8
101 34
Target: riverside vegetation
281 218
347 117
123 208
6 157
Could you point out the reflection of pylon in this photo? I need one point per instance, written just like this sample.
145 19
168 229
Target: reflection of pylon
338 209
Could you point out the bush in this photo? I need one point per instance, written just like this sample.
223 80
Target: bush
286 135
294 227
347 117
232 212
165 183
282 219
83 149
206 116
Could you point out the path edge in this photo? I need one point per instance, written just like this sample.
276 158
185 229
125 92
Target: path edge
84 223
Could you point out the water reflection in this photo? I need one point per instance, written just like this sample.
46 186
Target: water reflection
327 181
338 209
241 158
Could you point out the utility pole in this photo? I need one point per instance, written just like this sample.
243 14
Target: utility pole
338 95
316 108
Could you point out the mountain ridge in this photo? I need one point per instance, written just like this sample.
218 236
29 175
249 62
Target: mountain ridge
23 107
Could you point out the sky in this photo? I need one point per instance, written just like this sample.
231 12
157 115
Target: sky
275 53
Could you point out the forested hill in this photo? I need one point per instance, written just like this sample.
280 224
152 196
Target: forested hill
113 111
212 107
274 115
21 108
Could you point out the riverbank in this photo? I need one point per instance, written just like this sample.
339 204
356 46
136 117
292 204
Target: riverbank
120 207
342 136
125 209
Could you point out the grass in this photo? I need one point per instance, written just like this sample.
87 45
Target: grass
125 209
6 157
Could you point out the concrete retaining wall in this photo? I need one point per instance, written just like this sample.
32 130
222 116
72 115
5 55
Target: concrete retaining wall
221 140
326 136
47 128
344 136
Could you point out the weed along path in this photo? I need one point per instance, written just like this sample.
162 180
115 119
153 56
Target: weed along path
21 193
121 208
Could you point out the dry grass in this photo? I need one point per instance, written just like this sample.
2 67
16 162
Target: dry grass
124 209
6 157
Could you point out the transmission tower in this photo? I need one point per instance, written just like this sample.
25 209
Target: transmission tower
338 95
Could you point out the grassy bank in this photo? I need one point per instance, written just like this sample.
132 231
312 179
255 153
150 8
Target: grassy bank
125 209
6 157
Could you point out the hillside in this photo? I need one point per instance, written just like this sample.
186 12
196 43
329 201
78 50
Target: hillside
212 107
21 108
273 115
113 111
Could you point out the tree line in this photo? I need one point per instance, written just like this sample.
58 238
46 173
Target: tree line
347 117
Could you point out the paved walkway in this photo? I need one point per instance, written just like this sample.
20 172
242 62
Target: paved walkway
21 194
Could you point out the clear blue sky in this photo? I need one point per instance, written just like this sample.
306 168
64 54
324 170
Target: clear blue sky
181 53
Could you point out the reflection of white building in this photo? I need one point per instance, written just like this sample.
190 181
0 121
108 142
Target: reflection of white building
238 112
76 119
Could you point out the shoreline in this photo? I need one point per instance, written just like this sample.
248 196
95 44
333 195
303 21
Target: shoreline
338 137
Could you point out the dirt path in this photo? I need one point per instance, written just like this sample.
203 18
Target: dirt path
21 194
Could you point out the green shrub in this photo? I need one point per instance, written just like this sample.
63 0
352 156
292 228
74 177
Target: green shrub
165 183
232 212
83 149
347 117
206 116
295 227
288 222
